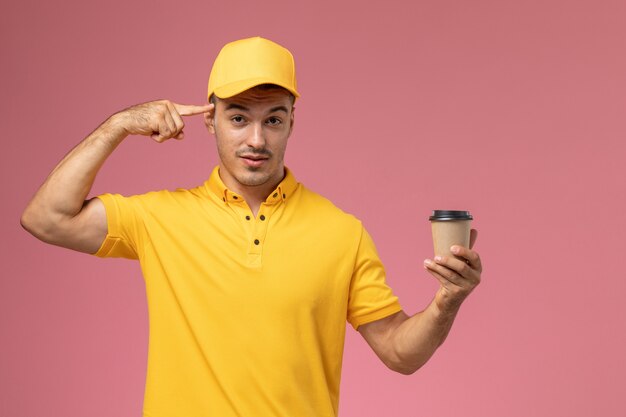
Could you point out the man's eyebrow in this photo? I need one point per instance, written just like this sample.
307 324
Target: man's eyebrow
279 108
236 106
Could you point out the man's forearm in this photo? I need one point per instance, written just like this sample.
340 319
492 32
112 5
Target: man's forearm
406 343
64 191
417 338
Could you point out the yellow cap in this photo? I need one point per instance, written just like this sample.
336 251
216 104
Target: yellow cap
246 63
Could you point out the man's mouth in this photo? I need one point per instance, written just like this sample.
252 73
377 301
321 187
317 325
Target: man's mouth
254 157
253 160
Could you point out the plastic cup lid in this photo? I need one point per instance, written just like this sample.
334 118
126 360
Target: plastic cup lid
450 215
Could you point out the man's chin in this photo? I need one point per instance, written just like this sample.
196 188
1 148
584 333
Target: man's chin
253 178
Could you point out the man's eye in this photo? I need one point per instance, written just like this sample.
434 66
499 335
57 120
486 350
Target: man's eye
274 121
237 119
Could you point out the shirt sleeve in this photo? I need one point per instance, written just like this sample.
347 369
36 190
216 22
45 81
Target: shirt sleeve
124 227
370 297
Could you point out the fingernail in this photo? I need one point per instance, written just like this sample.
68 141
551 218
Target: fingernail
454 249
437 258
426 262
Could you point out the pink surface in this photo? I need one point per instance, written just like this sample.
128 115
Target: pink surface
512 110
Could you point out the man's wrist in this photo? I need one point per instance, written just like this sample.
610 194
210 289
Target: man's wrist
113 130
117 124
444 312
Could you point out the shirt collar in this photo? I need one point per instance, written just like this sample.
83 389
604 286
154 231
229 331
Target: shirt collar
281 193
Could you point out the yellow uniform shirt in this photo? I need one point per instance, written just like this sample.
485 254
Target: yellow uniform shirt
247 315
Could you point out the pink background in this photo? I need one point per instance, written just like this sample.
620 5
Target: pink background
514 110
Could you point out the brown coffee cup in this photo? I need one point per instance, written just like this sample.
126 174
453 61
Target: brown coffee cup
450 227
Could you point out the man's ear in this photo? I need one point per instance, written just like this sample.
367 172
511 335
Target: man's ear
209 120
291 120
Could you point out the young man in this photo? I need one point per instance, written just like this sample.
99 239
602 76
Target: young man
250 277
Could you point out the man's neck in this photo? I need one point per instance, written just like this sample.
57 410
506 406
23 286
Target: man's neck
254 198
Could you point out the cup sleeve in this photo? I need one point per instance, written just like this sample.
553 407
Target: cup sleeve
370 297
124 227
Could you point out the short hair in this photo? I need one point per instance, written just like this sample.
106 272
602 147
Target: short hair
262 87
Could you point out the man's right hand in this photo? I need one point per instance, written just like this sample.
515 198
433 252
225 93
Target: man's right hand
161 119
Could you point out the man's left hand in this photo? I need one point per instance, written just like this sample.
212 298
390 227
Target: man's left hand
458 277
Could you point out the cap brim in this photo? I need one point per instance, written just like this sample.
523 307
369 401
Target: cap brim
232 89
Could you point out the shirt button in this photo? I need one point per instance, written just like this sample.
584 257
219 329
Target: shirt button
256 241
262 217
235 197
284 195
247 217
275 195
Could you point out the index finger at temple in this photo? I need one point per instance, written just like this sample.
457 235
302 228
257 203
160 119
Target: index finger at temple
192 109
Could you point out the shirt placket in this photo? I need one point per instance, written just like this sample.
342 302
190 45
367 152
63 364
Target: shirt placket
256 228
261 225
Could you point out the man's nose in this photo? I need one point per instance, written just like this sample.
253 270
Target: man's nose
256 138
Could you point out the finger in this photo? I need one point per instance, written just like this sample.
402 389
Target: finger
192 109
163 131
447 274
473 236
471 256
177 119
172 129
157 137
155 127
460 266
442 280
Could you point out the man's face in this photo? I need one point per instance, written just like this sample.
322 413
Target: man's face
251 130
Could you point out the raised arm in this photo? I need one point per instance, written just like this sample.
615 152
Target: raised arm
58 212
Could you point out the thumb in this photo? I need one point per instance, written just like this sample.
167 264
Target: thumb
473 236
